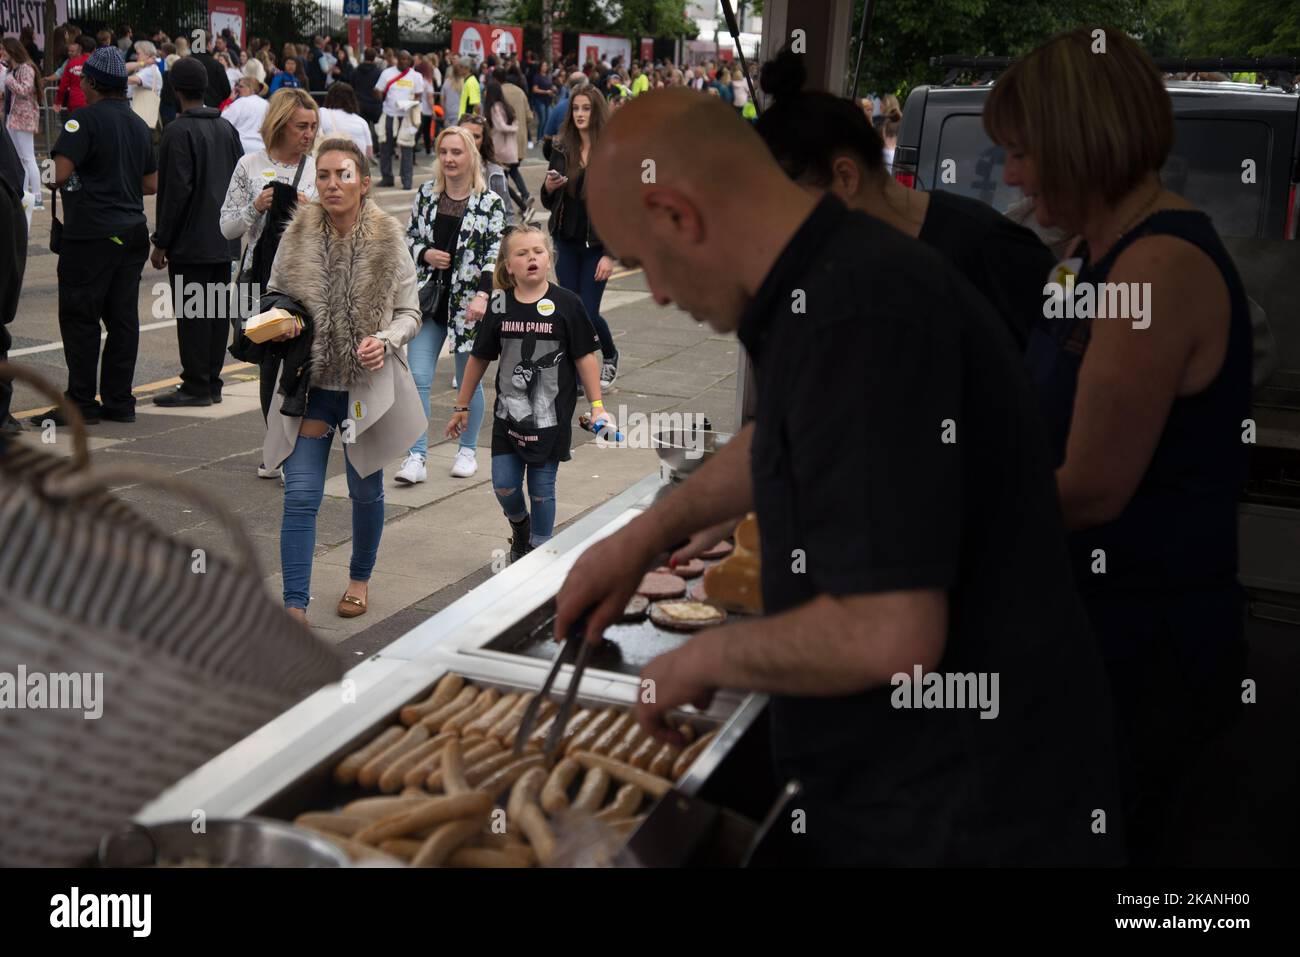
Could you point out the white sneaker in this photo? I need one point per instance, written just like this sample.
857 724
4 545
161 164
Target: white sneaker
412 471
466 463
276 473
455 383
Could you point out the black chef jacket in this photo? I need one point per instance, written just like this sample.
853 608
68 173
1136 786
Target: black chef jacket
898 446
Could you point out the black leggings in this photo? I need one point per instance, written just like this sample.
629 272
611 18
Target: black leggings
426 122
518 179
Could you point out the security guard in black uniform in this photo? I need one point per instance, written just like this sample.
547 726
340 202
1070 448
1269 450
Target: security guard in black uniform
104 166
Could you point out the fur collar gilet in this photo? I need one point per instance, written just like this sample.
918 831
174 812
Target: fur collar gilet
346 283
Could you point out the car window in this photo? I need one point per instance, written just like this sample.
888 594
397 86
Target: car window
1205 166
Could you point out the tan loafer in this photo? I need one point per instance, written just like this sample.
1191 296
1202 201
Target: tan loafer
350 606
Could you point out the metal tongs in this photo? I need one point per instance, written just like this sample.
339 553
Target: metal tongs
577 648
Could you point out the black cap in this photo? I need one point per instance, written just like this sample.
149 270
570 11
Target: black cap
189 76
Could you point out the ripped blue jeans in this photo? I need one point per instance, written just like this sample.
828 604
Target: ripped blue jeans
508 482
304 489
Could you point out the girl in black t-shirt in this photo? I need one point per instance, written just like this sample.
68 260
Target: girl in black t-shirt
545 343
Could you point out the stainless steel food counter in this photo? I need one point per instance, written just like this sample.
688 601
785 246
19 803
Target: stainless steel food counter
284 766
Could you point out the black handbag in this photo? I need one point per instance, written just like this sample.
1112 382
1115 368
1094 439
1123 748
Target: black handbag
433 296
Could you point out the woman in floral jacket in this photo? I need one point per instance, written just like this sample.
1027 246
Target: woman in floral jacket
454 234
18 78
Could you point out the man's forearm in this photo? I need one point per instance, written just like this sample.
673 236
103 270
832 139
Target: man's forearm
720 489
829 646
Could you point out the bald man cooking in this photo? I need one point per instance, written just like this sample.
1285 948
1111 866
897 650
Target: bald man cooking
908 517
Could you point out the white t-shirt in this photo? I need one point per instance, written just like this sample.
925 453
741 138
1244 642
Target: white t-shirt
409 87
341 123
150 79
246 114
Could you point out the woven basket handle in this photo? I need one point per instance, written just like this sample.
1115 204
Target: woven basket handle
80 450
77 484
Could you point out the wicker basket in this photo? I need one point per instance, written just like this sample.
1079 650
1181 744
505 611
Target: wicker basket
191 662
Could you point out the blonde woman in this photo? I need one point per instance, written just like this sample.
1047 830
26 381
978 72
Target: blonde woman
454 234
251 204
344 260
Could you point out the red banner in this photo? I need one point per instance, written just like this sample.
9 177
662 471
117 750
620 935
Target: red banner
226 14
477 40
358 38
647 49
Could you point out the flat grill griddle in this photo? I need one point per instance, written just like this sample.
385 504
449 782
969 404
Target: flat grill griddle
627 649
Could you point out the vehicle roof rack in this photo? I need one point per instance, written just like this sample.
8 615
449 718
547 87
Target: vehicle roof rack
1280 70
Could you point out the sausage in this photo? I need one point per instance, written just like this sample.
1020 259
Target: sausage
435 719
613 734
418 773
662 763
355 850
487 857
395 774
503 728
403 847
524 791
654 786
478 772
442 842
447 689
625 826
346 772
538 738
484 723
645 751
472 805
369 774
595 785
373 808
453 769
498 781
478 750
535 827
576 723
593 730
344 825
481 706
628 743
547 708
625 804
555 793
688 756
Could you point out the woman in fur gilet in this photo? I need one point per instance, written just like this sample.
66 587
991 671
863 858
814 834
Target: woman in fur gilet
346 262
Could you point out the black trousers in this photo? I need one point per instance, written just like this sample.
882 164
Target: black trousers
13 263
204 288
99 282
426 124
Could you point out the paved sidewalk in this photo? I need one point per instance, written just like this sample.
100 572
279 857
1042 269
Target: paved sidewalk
441 537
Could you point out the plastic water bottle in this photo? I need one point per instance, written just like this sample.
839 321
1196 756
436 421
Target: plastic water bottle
607 430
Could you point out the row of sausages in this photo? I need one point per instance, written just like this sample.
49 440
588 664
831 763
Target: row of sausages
452 759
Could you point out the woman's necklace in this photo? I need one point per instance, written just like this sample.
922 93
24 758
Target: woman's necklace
1140 213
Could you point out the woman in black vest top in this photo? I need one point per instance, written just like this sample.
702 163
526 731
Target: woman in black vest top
1146 388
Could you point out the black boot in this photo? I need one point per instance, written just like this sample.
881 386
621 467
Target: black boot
522 530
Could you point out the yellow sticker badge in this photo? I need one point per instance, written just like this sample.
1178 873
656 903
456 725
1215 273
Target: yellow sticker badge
268 174
358 410
72 126
545 307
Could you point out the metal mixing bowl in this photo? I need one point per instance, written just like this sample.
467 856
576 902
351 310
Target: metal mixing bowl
684 451
235 842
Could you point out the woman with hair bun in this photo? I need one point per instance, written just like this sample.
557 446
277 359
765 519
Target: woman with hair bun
825 142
